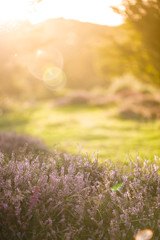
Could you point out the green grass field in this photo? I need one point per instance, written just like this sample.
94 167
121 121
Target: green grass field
85 128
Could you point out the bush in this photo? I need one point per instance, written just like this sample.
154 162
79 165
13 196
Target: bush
141 109
21 146
74 98
72 197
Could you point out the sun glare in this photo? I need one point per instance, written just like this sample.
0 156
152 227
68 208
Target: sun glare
35 11
13 10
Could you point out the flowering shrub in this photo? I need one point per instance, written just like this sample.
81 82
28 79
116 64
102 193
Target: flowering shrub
70 197
21 146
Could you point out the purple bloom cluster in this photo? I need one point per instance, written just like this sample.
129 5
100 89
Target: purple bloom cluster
72 197
35 196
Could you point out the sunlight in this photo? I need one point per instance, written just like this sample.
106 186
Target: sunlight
13 10
98 12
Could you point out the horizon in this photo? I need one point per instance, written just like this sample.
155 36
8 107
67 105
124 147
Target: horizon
97 12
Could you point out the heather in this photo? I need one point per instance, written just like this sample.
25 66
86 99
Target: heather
77 197
22 145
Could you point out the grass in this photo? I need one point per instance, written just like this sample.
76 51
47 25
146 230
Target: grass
89 128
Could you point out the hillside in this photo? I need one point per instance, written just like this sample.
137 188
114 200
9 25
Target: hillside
78 43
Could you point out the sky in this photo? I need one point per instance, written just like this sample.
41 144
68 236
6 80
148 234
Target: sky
94 11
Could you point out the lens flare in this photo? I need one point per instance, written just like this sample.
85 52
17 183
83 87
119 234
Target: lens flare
53 77
46 64
42 57
146 234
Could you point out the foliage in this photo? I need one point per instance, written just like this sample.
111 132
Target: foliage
21 146
144 17
111 61
71 197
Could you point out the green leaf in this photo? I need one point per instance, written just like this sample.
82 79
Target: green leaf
116 187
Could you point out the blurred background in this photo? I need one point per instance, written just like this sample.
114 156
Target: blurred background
81 75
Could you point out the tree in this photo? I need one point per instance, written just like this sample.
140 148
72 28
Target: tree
144 17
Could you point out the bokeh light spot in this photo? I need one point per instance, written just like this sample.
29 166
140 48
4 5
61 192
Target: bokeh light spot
146 234
53 77
47 65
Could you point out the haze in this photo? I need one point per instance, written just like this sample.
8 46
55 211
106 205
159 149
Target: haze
94 11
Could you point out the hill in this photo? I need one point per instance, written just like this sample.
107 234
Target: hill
78 43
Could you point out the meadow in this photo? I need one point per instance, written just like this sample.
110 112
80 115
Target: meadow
88 128
96 122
